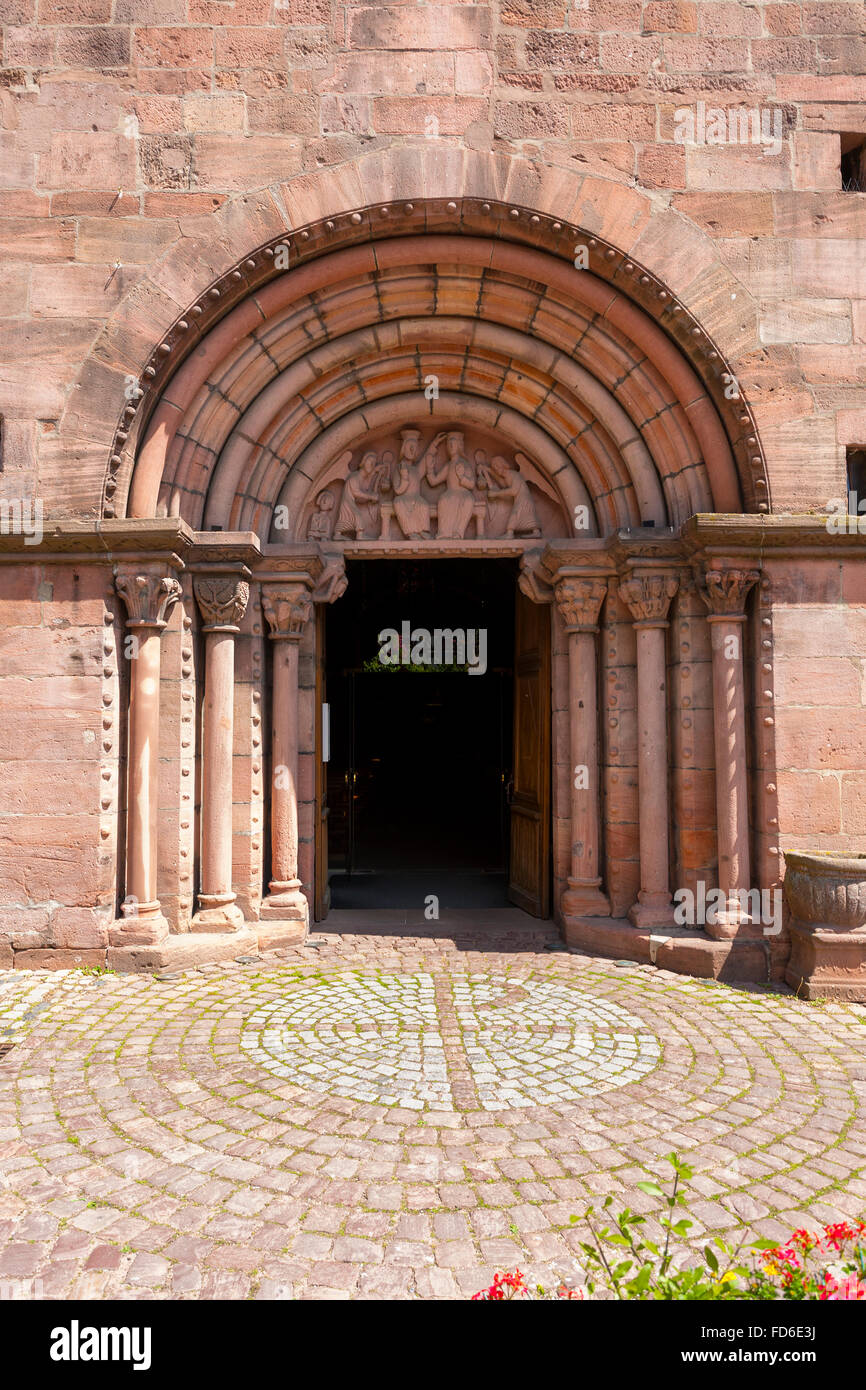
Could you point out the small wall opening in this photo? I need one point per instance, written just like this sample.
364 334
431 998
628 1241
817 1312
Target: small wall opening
855 465
853 163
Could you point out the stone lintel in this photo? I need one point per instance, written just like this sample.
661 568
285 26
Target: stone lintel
469 547
711 534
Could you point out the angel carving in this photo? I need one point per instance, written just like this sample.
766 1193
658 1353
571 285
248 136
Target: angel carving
522 518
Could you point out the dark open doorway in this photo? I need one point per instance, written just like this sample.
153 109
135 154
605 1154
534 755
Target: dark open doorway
420 749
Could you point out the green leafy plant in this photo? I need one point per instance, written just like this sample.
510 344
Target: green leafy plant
623 1260
635 1267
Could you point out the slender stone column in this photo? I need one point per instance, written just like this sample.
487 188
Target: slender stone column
222 600
579 601
287 608
148 591
648 594
724 592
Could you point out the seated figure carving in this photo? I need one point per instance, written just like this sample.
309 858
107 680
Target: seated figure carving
411 507
322 521
442 491
457 503
359 506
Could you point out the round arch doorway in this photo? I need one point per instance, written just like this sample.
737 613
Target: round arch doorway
606 402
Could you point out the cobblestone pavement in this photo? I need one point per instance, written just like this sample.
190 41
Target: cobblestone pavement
399 1117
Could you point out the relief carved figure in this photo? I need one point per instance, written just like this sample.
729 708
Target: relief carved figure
522 519
322 521
431 492
457 502
359 505
411 507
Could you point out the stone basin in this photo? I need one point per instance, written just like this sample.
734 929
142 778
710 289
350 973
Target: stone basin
827 890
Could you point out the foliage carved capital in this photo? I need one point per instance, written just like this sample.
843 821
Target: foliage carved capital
148 593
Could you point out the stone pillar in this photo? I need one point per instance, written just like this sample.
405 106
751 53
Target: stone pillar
648 593
579 600
287 608
148 590
222 600
724 592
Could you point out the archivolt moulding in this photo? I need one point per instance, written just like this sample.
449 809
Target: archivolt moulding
616 302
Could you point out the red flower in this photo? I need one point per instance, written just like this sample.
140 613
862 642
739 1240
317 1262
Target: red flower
504 1286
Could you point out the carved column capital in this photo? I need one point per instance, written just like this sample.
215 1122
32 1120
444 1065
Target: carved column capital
725 591
579 601
287 608
148 592
648 594
222 600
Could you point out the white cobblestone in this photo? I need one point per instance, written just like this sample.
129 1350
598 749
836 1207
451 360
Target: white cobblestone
538 1043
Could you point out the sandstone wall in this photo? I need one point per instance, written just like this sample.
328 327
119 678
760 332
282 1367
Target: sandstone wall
60 744
819 637
134 130
146 145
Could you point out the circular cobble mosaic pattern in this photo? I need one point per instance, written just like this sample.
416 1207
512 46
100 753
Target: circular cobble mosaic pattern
161 1138
380 1040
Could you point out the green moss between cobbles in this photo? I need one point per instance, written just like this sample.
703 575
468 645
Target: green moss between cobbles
727 998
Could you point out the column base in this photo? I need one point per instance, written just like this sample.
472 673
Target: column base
685 950
142 924
218 912
285 903
184 951
652 910
584 900
274 935
730 923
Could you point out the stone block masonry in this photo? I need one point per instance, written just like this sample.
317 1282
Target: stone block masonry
121 128
149 150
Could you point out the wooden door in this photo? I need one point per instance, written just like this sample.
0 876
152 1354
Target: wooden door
529 861
321 894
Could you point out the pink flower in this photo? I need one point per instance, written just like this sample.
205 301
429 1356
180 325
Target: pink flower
838 1289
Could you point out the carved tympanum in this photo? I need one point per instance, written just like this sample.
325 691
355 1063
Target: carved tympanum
579 601
649 595
287 608
725 591
433 492
222 599
148 593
